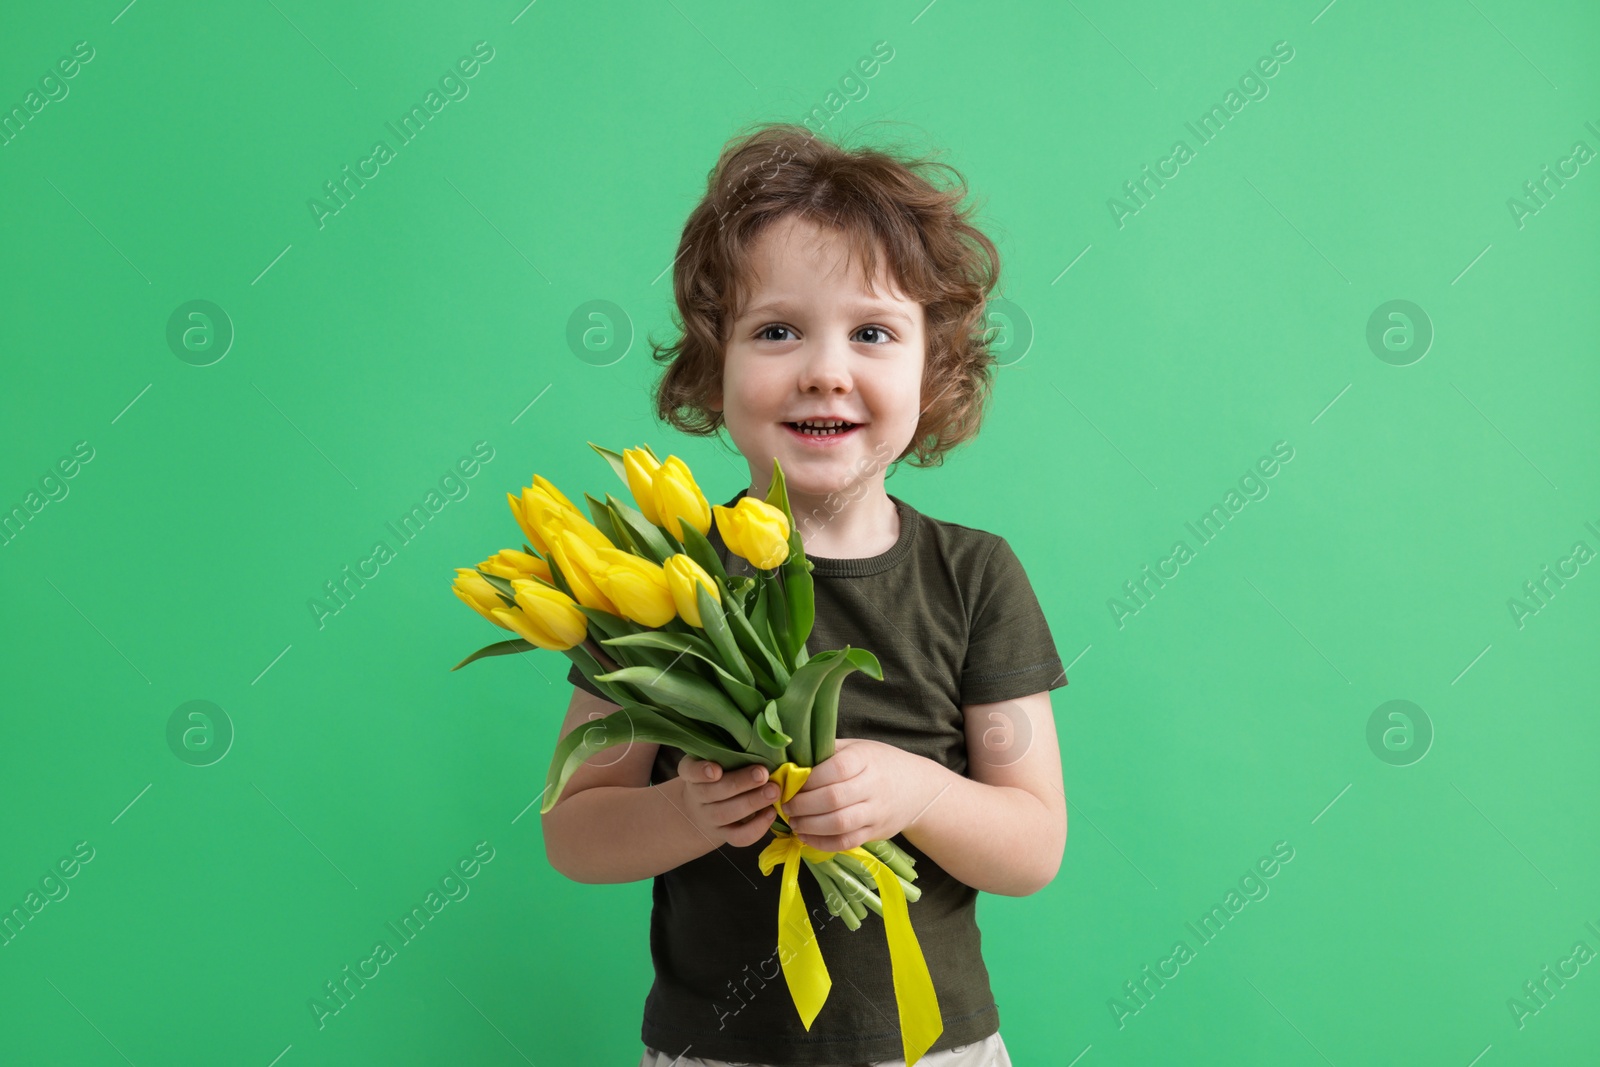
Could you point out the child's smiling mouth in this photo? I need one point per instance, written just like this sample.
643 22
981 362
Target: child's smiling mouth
829 432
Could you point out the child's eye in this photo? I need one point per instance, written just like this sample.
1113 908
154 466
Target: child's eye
765 333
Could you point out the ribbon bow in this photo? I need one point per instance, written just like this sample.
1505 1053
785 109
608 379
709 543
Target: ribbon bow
801 957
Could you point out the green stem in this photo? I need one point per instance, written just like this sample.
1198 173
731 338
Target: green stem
889 853
848 886
838 903
865 877
853 887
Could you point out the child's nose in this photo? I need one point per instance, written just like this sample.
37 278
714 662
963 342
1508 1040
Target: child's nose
826 367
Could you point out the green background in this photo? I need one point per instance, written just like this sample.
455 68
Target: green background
1434 872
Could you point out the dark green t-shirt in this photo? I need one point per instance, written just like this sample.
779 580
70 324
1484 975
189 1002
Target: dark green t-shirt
953 620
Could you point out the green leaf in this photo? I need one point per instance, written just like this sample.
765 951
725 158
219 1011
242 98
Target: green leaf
778 493
558 579
603 523
795 573
501 586
747 590
808 710
618 463
800 596
747 697
589 667
658 545
755 648
499 648
699 549
624 726
608 624
687 644
758 612
778 619
690 695
825 709
770 727
770 713
636 655
713 620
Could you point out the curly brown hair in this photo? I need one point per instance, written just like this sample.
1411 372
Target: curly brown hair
875 198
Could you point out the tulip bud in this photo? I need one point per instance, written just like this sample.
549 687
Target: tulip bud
509 563
579 565
545 486
554 520
679 499
756 531
535 502
641 468
550 619
476 592
637 586
682 575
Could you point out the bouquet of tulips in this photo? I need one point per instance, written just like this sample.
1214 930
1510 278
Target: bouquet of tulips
710 664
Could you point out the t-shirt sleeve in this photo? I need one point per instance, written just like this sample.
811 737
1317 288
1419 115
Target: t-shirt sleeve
1010 651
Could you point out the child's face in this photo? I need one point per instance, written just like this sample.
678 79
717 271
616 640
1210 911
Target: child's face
812 342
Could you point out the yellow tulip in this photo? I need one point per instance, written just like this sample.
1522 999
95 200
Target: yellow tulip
641 467
547 487
530 509
549 613
756 531
526 627
679 499
586 531
476 593
637 586
579 565
509 563
682 574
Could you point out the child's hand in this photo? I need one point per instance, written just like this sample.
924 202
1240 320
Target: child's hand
866 791
733 807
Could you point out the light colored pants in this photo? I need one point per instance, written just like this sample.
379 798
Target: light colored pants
990 1052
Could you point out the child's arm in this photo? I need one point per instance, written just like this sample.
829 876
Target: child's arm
1003 827
611 825
1000 829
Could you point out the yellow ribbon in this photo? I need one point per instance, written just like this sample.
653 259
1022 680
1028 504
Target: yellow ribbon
801 957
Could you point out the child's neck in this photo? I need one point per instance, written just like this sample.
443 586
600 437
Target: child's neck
856 524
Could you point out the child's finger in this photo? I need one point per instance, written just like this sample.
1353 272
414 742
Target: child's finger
698 770
747 783
745 808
